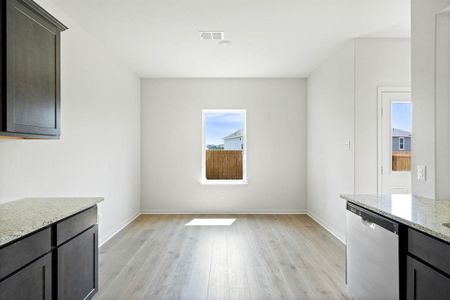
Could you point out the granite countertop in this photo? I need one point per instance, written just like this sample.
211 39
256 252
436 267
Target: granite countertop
423 214
21 217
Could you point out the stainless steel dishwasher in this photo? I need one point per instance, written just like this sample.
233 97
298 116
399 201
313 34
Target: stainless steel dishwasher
372 253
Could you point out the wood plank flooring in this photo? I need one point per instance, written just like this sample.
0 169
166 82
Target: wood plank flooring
258 257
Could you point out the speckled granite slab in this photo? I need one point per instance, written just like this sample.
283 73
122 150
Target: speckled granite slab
423 214
21 217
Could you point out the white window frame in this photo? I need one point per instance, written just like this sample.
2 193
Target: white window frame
204 180
401 143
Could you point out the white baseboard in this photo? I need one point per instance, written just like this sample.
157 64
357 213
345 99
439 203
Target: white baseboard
240 212
122 226
327 228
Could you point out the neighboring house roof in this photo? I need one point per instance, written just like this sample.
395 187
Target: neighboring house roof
398 132
235 134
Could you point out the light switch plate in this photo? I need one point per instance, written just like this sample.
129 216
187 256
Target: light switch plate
422 173
347 145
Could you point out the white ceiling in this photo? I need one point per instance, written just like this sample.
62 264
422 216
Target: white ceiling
270 38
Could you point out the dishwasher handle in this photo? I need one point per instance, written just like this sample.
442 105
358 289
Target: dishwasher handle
372 219
368 223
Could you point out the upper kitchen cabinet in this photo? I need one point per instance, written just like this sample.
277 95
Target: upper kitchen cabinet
30 71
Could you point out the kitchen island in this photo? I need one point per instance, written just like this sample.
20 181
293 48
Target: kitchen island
422 246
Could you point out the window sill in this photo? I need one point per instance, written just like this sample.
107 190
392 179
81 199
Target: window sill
223 182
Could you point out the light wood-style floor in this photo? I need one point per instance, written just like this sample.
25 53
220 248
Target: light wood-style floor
258 257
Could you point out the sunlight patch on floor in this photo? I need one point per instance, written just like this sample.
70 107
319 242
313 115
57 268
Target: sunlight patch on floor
210 222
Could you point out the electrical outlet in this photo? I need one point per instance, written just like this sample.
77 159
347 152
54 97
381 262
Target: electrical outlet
422 173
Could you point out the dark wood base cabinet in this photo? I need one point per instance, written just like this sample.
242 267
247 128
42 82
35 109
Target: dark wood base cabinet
77 278
32 282
57 262
427 267
423 282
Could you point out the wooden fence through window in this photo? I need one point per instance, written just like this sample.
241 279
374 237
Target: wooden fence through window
401 161
224 164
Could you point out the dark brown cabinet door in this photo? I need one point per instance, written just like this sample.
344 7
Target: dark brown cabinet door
423 282
32 71
32 282
78 266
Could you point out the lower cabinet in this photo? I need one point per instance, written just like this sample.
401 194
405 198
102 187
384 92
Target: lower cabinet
78 266
32 282
59 262
423 282
427 267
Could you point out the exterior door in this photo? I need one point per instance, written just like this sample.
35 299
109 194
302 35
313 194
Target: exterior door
395 139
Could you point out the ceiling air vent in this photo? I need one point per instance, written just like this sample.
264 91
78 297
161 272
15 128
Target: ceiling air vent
212 35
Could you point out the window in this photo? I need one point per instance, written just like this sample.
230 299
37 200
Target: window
401 123
224 146
401 143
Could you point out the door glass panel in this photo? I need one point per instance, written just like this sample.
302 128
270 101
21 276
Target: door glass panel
401 136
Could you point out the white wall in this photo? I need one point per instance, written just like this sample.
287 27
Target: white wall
342 105
378 62
99 151
443 106
330 115
423 91
171 171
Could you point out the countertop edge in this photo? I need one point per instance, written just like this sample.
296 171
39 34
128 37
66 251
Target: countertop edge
409 223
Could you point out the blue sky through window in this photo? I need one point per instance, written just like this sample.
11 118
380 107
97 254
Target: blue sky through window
401 116
221 124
